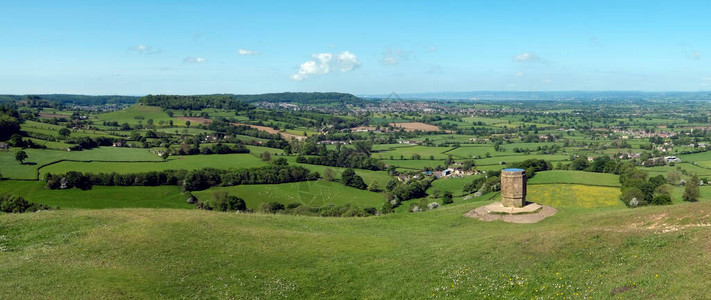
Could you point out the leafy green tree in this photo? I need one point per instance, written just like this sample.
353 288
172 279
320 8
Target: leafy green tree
691 190
16 140
9 125
64 132
447 198
21 156
266 156
225 202
630 193
663 199
392 183
329 174
350 178
374 187
580 163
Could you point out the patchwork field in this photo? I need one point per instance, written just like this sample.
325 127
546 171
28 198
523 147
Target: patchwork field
14 170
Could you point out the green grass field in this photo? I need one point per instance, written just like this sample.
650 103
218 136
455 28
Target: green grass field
510 158
453 185
574 195
144 253
99 197
368 176
10 168
187 162
407 152
577 177
311 193
418 164
132 115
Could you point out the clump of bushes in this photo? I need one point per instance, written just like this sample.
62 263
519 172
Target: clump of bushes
16 204
345 210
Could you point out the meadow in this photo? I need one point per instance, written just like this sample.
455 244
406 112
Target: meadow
408 152
576 177
310 193
139 114
98 197
187 162
143 253
574 195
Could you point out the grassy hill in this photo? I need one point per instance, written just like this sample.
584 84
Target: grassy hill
147 253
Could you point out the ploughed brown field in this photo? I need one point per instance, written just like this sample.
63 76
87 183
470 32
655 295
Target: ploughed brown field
196 120
50 116
286 136
412 126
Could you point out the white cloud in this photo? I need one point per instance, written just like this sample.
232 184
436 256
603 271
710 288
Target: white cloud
519 74
704 84
526 56
323 63
143 49
347 61
245 52
194 60
706 78
546 80
393 57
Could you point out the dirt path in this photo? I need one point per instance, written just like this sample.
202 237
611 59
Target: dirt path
482 213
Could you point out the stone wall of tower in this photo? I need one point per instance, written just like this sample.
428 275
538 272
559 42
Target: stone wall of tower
513 187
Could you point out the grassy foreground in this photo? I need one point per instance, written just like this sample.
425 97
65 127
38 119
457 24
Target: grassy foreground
651 252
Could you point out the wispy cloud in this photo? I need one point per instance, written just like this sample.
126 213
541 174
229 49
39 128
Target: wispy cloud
245 52
194 60
434 69
526 57
519 74
323 63
392 57
143 49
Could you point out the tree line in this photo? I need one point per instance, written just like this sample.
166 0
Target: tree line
193 180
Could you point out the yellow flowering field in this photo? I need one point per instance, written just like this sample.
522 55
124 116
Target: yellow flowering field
574 195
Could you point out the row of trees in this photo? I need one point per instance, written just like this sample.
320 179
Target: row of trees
195 102
9 122
190 180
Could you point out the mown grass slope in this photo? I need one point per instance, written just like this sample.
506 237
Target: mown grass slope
311 193
653 252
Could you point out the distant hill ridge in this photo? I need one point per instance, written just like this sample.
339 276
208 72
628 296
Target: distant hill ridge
194 101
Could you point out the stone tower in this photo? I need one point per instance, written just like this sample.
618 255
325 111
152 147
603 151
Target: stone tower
513 187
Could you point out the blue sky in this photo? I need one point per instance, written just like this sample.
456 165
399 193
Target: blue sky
361 47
